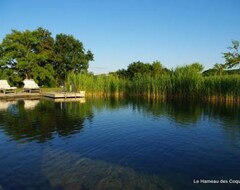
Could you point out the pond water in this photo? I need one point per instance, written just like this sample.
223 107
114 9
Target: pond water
119 144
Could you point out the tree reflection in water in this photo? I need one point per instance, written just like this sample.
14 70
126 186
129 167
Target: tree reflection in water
39 119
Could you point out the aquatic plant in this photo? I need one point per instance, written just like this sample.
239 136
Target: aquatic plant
183 82
103 85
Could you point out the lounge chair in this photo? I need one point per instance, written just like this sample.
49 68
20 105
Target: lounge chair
31 86
5 87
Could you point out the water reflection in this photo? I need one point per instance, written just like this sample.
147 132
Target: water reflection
188 112
4 105
117 143
78 100
30 104
39 119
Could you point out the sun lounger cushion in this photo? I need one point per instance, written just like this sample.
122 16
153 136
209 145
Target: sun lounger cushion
30 85
5 87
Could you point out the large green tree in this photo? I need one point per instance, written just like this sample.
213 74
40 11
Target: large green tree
36 54
28 54
70 56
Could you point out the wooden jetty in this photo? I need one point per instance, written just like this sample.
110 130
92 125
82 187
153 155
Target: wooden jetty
81 100
62 95
19 95
53 95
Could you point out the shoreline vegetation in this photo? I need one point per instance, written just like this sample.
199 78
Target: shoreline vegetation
63 62
189 85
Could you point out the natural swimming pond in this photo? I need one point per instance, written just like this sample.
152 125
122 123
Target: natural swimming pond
119 144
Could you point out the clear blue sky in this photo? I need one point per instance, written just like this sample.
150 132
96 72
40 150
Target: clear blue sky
175 32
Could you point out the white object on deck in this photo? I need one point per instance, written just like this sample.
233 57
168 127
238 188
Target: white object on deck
82 93
5 87
31 86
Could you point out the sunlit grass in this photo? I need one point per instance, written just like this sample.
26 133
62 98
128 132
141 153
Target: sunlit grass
184 83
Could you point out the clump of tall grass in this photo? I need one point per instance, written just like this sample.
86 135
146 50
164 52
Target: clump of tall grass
221 86
103 85
148 85
186 81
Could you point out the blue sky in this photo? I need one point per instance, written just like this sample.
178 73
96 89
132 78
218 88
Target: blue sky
175 32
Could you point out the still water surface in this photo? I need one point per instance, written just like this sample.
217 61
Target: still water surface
118 144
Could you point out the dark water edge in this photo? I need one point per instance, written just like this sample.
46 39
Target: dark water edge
118 143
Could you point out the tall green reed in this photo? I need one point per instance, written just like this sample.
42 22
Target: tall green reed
100 84
184 82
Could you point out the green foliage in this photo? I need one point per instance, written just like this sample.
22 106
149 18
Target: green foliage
228 85
70 56
101 84
50 62
219 68
149 85
136 68
140 68
232 58
35 54
185 82
28 54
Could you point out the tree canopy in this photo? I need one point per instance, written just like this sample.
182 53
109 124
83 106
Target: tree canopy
136 68
70 56
232 58
36 54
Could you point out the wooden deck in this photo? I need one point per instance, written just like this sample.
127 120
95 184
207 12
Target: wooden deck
56 95
81 100
53 95
19 95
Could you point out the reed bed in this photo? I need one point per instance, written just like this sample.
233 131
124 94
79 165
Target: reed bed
181 83
226 87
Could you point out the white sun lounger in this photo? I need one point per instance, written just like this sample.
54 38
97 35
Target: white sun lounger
31 86
5 87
